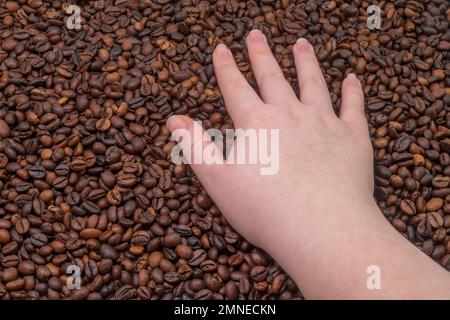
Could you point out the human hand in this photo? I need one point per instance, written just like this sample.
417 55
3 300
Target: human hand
325 161
316 216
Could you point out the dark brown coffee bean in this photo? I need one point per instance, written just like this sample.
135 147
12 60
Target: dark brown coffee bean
114 197
108 252
126 180
36 172
10 261
172 240
39 239
204 294
198 257
408 207
258 273
80 294
172 277
60 182
184 251
85 169
9 274
22 226
15 285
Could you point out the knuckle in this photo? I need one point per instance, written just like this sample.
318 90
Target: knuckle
296 111
270 76
312 81
234 82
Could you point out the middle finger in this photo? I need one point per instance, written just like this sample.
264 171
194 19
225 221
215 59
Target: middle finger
272 84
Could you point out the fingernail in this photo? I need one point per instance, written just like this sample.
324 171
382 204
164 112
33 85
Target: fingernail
222 51
352 80
175 122
256 36
303 45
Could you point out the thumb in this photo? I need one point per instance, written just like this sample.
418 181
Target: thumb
204 156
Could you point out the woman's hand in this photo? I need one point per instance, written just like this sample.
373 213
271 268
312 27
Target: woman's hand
324 163
316 215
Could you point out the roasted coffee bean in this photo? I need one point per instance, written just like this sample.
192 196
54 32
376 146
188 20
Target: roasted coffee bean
39 239
5 236
172 240
60 182
143 293
22 226
80 294
258 273
90 233
9 274
36 172
108 252
15 285
434 204
4 127
204 294
140 238
90 207
62 169
172 277
184 251
408 207
198 257
43 273
114 197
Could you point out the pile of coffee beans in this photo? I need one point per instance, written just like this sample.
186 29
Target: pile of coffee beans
87 189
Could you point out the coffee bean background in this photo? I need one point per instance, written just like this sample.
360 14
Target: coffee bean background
85 173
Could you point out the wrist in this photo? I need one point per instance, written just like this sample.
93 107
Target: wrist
323 230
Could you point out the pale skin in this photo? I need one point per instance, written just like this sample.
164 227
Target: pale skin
317 216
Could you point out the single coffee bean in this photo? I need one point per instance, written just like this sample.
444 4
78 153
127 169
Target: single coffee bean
172 277
258 273
15 285
172 240
5 237
39 239
434 204
408 207
22 226
198 257
90 233
108 252
36 172
184 251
